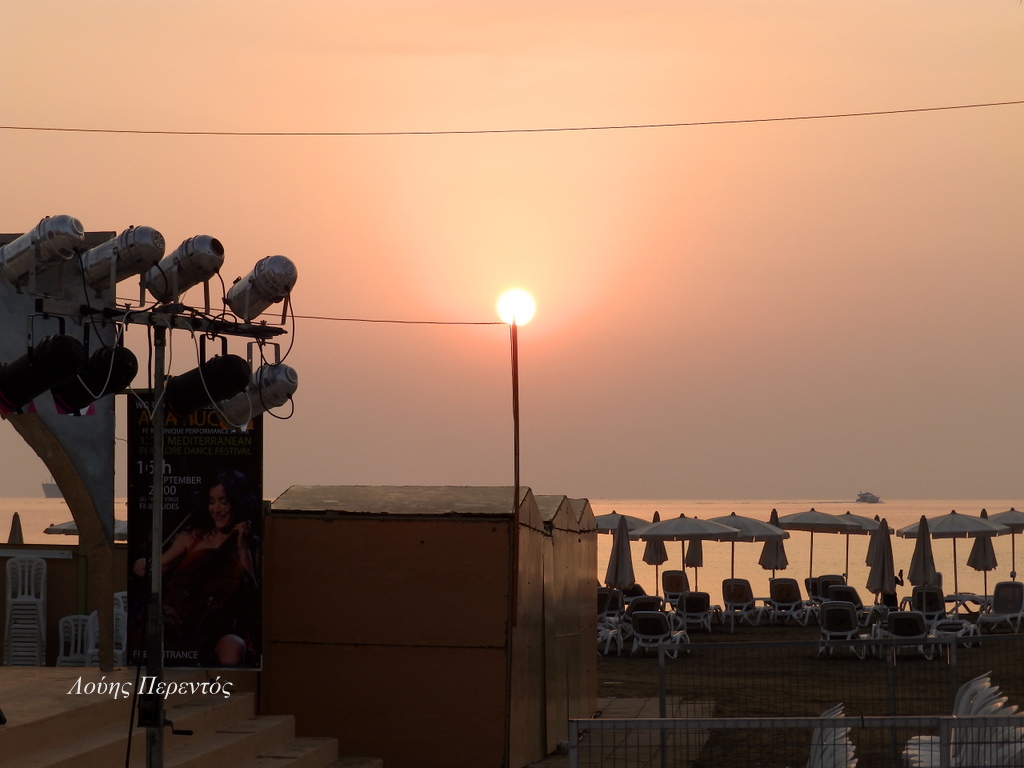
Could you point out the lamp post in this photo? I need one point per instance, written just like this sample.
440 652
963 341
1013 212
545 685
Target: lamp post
515 307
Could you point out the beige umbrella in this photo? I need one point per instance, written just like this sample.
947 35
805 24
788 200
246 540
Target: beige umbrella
608 523
749 529
813 522
865 526
952 526
684 528
70 528
1014 520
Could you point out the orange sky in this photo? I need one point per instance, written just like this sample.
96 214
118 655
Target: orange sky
786 309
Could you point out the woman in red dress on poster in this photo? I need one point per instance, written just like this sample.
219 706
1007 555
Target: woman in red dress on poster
210 573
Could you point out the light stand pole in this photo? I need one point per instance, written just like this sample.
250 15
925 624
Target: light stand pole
154 624
162 319
514 327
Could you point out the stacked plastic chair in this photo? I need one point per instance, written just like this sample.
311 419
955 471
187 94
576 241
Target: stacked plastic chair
25 631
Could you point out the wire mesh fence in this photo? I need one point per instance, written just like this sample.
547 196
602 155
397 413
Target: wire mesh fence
778 742
760 703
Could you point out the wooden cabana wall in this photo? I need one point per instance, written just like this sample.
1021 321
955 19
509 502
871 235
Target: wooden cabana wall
570 618
387 613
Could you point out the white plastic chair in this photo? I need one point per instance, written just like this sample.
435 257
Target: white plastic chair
74 641
653 628
830 744
92 658
25 622
1006 606
973 745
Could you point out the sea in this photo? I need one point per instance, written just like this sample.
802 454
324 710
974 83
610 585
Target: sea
833 553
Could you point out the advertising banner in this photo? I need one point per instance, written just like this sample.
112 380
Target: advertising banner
211 541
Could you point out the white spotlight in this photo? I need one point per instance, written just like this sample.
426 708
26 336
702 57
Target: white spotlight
270 386
194 261
54 239
270 281
132 252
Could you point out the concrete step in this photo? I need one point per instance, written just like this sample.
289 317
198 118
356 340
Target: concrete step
308 752
97 733
356 762
234 745
51 728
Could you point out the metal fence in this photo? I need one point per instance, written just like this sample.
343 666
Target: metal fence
790 741
760 702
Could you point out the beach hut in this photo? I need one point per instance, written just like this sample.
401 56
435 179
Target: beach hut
570 664
429 601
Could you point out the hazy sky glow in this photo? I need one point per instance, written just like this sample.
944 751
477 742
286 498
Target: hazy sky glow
789 309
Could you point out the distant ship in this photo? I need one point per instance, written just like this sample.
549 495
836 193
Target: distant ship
51 491
868 498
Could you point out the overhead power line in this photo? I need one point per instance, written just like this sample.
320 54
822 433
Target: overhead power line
563 129
400 322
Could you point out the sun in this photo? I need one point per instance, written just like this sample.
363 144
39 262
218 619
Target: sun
516 307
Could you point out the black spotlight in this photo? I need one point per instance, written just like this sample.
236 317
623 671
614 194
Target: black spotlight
217 379
108 370
52 361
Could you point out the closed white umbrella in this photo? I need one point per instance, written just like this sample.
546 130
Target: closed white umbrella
620 565
655 554
1014 520
749 529
694 558
773 553
922 563
16 536
983 554
881 568
813 522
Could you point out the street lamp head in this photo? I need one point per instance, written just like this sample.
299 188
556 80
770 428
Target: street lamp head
516 307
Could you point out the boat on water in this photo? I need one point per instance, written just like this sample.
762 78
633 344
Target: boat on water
868 498
51 491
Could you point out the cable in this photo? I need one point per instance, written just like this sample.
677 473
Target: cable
563 129
400 322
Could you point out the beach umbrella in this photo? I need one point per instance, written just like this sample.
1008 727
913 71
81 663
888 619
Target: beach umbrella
694 558
620 565
865 526
952 526
922 563
684 528
608 523
813 522
70 528
881 569
16 536
983 554
1014 520
655 554
773 553
749 529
